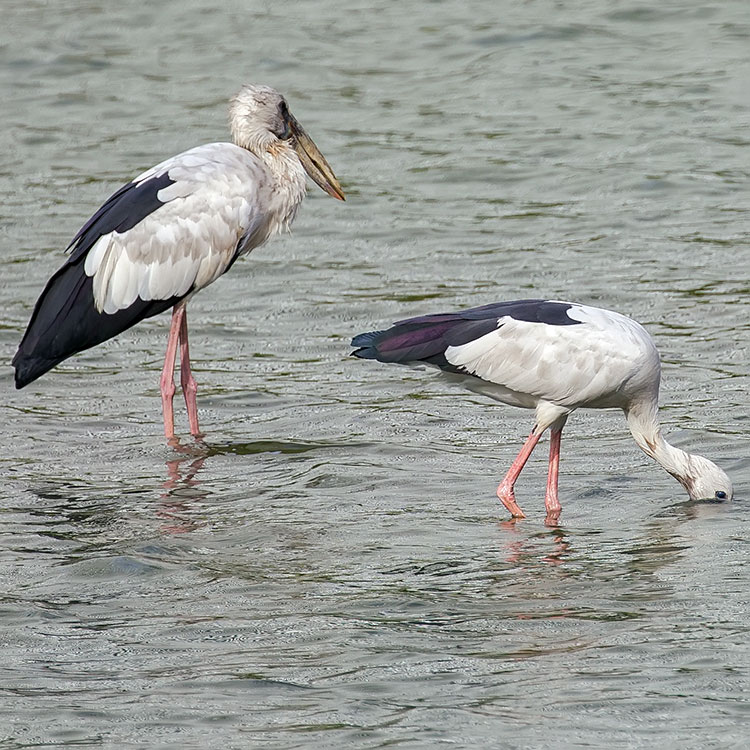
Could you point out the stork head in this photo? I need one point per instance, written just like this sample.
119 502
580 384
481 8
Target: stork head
704 480
260 121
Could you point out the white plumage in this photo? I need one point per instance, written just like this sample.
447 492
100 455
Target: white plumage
220 195
562 367
172 231
553 357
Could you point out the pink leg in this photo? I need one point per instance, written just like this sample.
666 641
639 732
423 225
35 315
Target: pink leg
505 488
166 383
551 500
187 381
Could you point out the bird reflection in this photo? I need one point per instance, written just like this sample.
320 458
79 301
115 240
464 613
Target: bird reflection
692 510
182 487
520 549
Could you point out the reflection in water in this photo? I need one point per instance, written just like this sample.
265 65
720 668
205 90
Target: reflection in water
693 510
182 488
663 540
521 549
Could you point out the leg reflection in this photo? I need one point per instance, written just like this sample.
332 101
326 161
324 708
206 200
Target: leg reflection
182 488
526 548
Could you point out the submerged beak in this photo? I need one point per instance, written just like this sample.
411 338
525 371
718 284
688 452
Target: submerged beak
313 161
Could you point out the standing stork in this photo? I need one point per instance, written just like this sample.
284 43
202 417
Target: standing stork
553 357
172 231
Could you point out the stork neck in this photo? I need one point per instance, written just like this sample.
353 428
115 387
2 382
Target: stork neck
644 424
288 178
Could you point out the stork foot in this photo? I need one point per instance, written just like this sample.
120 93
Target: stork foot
508 499
552 504
552 518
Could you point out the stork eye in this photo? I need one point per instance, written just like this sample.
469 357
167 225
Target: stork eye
721 495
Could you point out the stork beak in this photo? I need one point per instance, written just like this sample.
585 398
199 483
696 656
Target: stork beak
313 161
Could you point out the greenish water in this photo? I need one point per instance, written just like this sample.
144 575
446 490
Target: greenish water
332 568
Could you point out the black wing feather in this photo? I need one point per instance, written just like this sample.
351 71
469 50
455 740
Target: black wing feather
426 338
65 320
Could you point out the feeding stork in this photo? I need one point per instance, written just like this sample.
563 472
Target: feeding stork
172 231
553 357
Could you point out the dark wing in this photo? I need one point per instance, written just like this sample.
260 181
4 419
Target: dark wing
426 338
65 320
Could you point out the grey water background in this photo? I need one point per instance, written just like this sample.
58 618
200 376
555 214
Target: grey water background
332 567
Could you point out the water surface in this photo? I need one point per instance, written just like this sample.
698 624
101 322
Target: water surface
331 568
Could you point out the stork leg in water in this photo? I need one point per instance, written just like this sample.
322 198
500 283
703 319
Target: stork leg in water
551 501
178 335
505 489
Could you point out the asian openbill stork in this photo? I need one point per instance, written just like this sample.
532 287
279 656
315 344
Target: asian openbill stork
172 231
553 357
